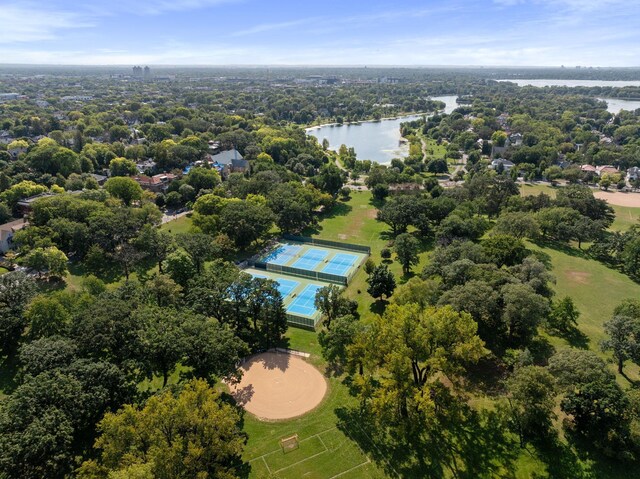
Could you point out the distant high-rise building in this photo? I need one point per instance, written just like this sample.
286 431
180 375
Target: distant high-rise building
137 71
147 73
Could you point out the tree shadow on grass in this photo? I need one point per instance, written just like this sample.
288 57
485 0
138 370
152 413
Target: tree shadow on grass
376 203
339 209
562 247
378 306
487 375
541 350
600 464
560 459
472 445
574 337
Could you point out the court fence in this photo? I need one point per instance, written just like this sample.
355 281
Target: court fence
332 244
301 321
301 273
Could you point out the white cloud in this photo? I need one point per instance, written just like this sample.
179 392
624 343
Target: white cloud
157 7
267 27
28 23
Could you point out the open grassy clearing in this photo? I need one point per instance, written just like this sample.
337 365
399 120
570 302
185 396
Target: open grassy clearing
355 222
180 225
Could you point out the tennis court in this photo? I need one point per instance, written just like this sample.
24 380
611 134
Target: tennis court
317 258
304 303
340 264
283 254
311 259
298 295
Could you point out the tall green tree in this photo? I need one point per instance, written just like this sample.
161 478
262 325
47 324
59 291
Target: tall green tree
381 282
407 249
126 189
531 401
623 339
246 222
188 433
16 291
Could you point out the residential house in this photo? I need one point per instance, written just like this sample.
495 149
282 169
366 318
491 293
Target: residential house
601 170
633 173
499 163
588 168
101 179
16 152
516 139
156 183
229 161
25 206
7 231
6 137
144 166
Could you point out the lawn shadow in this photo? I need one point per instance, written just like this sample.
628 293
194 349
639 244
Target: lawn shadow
376 203
339 209
559 458
378 306
574 337
601 465
110 272
561 247
465 445
541 350
487 376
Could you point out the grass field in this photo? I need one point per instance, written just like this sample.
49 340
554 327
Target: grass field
180 225
355 222
325 450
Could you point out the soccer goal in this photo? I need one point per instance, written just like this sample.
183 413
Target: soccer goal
289 443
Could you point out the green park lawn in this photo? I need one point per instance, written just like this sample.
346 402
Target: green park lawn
180 225
595 288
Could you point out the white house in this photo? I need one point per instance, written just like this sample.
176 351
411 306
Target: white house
633 173
506 164
7 231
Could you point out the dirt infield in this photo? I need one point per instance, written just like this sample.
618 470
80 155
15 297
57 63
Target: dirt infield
619 198
279 386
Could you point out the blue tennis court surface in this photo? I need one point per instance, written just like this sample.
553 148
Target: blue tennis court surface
310 259
303 304
283 254
285 286
340 264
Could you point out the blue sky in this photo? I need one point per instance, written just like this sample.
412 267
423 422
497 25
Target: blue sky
321 32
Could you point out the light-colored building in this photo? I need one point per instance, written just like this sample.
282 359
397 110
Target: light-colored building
501 162
7 231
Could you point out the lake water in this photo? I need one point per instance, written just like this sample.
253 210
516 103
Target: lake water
573 83
614 105
377 141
